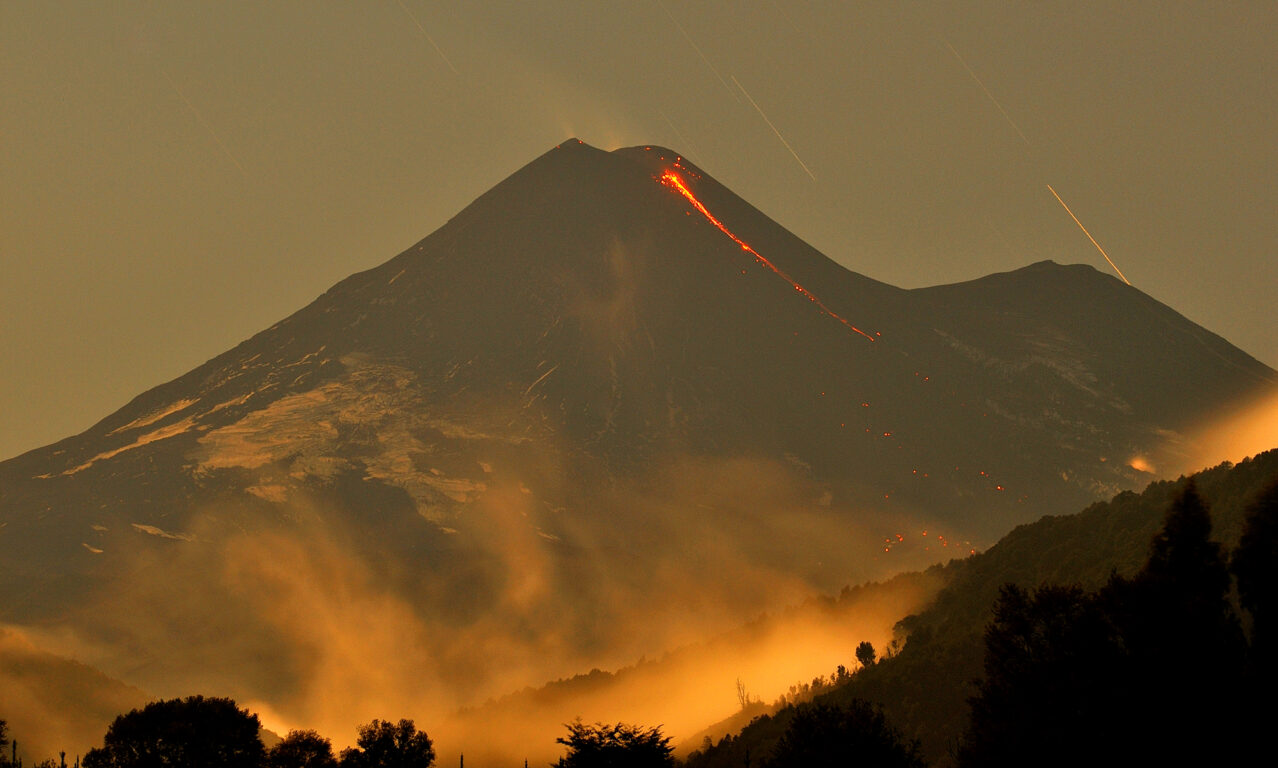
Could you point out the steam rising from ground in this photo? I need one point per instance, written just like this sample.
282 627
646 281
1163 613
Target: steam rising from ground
308 620
690 689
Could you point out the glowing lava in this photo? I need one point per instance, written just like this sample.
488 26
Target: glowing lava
675 182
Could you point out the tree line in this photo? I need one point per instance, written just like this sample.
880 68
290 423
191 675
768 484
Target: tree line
212 732
1152 669
1171 665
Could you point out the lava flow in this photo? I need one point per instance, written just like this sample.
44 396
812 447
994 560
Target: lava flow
675 182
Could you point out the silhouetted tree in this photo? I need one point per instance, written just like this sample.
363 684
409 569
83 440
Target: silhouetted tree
865 653
4 743
1255 567
382 744
1145 671
1186 565
1047 655
821 735
194 732
615 746
1185 646
302 749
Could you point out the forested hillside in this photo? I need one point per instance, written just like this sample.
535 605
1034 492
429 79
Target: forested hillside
924 689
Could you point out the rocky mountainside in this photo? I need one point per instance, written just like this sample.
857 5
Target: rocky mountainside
606 399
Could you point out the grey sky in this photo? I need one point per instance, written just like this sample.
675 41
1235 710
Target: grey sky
175 176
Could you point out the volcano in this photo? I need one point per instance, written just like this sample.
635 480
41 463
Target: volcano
590 385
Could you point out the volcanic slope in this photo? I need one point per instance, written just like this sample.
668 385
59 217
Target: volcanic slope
588 390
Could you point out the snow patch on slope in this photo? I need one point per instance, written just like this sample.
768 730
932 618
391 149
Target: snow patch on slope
160 532
374 416
293 425
1064 358
149 419
163 433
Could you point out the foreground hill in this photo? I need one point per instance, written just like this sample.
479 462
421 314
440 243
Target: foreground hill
924 689
608 409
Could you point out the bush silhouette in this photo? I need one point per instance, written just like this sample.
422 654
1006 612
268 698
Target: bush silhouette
865 654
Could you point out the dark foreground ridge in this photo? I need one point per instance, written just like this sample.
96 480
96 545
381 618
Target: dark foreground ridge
1061 636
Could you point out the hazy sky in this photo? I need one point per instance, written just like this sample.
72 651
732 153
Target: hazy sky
176 176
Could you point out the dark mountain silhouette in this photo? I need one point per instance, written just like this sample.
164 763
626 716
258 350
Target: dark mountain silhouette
582 399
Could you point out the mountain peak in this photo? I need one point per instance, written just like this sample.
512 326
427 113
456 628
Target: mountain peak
1048 266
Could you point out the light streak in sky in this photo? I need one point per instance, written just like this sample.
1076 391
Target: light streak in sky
1020 133
675 182
1089 234
758 109
977 80
205 123
426 35
697 48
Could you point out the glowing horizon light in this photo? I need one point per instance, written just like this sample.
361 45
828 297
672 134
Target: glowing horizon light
1141 464
675 182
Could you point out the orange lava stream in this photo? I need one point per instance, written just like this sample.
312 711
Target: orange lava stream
673 180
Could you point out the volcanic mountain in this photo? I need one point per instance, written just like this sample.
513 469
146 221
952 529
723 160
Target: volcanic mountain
606 396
